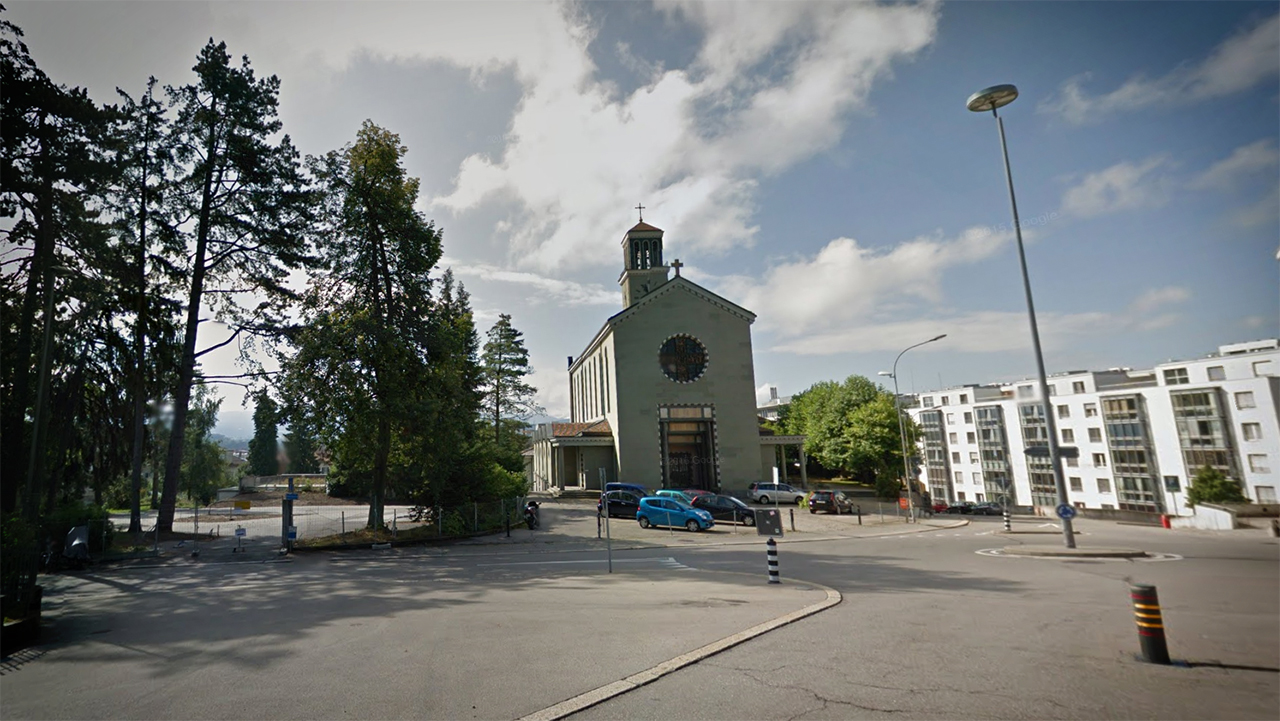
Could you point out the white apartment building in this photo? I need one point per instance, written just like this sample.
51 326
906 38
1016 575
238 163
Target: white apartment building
1140 435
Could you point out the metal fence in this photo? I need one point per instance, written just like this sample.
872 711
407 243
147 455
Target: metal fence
345 524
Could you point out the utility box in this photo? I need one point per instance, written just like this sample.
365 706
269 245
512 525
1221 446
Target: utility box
768 522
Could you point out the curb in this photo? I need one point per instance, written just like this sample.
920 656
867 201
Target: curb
603 693
1054 552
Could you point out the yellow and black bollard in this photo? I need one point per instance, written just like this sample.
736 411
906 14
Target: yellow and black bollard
1146 611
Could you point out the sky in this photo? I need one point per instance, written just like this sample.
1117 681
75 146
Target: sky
813 162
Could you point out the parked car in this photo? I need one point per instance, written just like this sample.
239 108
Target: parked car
767 492
635 489
622 504
659 511
964 507
988 509
940 507
693 493
831 501
726 508
671 493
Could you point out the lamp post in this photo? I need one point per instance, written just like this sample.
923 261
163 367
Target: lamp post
902 429
992 98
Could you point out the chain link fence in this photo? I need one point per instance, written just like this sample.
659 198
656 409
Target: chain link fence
319 526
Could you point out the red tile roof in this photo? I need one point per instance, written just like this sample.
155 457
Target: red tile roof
568 430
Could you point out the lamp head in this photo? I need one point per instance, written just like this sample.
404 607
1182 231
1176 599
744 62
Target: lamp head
944 335
885 373
996 96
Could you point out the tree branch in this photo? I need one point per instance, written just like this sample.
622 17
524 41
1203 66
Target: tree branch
219 345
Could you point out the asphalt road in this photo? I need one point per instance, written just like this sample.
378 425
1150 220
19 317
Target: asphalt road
929 628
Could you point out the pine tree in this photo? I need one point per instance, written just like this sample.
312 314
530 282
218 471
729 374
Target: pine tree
506 365
264 446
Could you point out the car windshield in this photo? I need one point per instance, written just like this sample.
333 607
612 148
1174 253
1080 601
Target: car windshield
683 506
736 502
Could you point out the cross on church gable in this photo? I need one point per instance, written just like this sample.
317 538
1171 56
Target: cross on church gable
677 265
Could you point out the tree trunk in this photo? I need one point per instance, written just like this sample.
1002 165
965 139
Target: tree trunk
35 467
186 372
380 460
139 350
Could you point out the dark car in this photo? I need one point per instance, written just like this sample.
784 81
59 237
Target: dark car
988 509
964 507
693 493
831 501
622 504
726 508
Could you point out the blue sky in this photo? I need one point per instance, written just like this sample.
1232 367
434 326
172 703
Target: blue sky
813 162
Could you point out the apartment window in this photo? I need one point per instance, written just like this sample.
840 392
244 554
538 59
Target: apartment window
977 479
1073 462
964 398
953 438
1108 507
1217 373
1244 399
973 456
1252 431
1258 463
1064 411
1176 377
955 456
1025 392
1068 435
1077 484
1077 386
1053 389
1095 435
960 496
944 401
951 419
968 418
970 438
1100 460
959 477
1091 410
928 401
1266 494
1104 485
1262 368
1172 484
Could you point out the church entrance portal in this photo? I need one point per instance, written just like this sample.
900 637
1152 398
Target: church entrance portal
688 444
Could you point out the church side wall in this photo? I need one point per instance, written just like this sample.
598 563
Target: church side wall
728 384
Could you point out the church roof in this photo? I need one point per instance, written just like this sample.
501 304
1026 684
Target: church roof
644 226
571 430
682 283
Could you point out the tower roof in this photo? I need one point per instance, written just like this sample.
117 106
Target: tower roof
644 226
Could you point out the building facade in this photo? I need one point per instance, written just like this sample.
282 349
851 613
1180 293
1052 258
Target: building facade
1133 439
664 393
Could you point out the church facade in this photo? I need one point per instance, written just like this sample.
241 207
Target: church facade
664 394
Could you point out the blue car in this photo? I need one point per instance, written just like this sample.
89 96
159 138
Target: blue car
655 511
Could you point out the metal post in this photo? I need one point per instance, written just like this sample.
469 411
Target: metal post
793 520
1146 611
772 552
608 539
475 517
859 515
344 522
1051 426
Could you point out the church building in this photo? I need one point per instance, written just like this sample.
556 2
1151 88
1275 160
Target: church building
664 394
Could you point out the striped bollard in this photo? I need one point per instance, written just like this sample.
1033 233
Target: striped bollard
773 561
1146 611
1008 527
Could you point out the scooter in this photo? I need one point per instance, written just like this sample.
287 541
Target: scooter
75 552
531 514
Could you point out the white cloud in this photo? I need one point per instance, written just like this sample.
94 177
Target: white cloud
769 88
1149 310
1244 161
1265 211
564 292
1237 64
1123 186
845 280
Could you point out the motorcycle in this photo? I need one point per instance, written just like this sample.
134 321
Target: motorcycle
531 514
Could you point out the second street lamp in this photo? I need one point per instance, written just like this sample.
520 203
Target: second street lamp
992 98
902 428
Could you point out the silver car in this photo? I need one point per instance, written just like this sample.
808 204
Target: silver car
775 493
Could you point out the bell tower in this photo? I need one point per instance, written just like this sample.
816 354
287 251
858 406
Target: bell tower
643 267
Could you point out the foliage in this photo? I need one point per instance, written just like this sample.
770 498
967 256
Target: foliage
264 446
506 365
1211 485
300 447
57 524
852 427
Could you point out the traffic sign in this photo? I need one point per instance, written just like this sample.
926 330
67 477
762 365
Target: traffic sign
1066 512
240 532
243 505
768 522
290 496
293 533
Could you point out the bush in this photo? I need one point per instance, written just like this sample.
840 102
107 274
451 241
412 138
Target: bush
453 524
1211 486
67 516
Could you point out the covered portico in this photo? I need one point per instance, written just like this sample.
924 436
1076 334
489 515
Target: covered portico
773 455
573 455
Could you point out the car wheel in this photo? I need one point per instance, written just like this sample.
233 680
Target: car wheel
799 500
764 500
749 521
691 526
813 510
644 522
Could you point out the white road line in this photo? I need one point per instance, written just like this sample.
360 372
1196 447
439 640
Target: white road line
664 561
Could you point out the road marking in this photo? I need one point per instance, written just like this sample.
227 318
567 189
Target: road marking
668 562
1151 557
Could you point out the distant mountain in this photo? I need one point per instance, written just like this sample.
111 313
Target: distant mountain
231 444
234 424
535 420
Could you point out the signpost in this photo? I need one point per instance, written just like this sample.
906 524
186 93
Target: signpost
290 496
240 533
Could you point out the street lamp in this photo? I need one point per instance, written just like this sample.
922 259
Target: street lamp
998 96
902 429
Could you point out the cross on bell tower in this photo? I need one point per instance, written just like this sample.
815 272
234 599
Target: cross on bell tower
640 207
